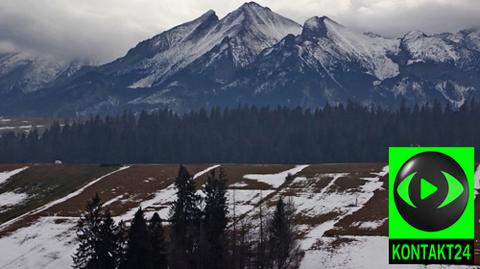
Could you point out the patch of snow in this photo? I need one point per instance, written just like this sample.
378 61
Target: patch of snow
276 180
240 184
245 200
113 200
58 201
369 225
47 243
383 173
155 98
9 199
203 172
423 48
326 201
4 176
342 44
456 94
17 127
32 71
162 200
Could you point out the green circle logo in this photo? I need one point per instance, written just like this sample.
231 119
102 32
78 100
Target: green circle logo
431 191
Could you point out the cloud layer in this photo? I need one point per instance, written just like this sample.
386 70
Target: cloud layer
103 30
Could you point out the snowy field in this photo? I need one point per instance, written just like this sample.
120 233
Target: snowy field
326 196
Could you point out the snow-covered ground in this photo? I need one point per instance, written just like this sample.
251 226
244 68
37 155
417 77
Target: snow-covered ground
326 201
49 241
275 180
4 176
9 199
56 202
161 201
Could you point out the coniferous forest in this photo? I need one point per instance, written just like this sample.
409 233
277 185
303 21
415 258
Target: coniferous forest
197 234
343 133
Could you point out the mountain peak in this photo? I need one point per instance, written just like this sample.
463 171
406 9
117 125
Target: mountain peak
209 15
260 20
252 5
250 9
317 26
414 35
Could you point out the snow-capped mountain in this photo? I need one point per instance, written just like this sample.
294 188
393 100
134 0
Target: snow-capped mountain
328 62
256 56
27 72
213 58
245 32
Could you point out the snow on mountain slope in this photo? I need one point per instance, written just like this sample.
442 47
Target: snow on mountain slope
254 56
423 48
251 28
327 62
330 43
472 37
26 72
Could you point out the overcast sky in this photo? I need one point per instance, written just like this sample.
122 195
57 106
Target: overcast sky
102 30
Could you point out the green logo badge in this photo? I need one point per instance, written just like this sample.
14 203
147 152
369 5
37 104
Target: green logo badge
431 207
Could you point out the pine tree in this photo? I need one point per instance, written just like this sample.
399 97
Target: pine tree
283 251
215 219
244 247
110 241
139 250
261 258
185 221
123 237
98 237
158 242
88 229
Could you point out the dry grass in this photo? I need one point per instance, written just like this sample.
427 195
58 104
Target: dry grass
135 184
312 170
11 167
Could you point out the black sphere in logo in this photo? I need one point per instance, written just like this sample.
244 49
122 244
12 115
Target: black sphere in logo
427 188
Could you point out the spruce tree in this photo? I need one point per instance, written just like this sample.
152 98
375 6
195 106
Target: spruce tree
88 229
110 242
215 219
261 258
185 221
98 238
139 250
123 231
283 251
158 242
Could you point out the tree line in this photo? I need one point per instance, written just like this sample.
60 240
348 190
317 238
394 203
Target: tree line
343 133
196 235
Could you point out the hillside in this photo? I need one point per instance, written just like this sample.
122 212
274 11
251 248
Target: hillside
341 208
